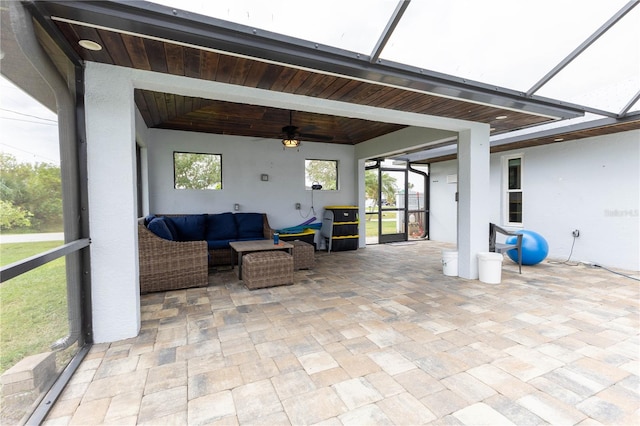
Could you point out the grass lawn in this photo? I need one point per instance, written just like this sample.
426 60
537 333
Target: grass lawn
33 306
388 224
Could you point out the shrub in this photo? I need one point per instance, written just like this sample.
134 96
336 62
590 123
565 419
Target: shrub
13 216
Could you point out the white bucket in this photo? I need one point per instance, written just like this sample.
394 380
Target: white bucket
450 263
490 267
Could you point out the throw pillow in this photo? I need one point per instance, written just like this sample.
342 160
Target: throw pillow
159 227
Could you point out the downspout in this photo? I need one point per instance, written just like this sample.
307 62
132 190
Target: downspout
23 29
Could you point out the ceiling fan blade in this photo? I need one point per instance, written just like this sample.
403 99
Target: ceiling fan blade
292 132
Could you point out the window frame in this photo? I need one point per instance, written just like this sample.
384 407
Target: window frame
175 185
506 191
337 180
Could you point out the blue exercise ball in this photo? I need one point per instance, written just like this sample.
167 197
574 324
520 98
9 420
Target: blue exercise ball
534 247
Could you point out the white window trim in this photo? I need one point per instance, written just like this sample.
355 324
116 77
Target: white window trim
505 189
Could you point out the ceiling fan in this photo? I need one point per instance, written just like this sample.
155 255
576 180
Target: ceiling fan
291 135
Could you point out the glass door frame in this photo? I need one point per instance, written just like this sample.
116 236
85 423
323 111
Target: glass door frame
394 237
405 211
401 212
426 195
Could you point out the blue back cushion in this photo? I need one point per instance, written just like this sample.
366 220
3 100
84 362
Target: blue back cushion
250 225
189 227
221 226
159 227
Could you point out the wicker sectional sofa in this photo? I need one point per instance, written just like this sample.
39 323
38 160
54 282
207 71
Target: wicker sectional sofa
175 251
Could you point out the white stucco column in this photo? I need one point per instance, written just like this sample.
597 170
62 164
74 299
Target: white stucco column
473 198
115 293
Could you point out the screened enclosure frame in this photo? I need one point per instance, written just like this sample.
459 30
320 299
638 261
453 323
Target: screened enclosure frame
69 104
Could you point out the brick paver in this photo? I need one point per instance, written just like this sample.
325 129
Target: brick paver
374 336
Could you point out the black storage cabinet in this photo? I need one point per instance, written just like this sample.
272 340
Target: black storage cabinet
340 228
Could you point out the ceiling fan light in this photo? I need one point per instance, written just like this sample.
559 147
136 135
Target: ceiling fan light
290 142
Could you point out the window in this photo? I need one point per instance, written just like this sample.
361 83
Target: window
323 172
197 171
513 181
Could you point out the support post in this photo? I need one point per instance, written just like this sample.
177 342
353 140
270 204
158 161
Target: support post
111 165
473 198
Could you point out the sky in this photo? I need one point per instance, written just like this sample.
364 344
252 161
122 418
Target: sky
28 130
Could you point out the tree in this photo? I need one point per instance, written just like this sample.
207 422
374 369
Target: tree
389 186
32 191
325 172
44 196
197 171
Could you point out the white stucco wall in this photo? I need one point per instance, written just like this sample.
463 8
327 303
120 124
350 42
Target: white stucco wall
243 161
591 184
443 209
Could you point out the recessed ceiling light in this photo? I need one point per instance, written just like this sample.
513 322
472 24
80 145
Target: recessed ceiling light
90 45
558 139
501 117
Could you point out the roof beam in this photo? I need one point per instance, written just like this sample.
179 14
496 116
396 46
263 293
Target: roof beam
628 106
388 31
583 46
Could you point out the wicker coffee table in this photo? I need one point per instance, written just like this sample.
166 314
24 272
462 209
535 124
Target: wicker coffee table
244 247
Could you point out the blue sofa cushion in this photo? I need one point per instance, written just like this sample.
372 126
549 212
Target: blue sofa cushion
189 227
219 244
250 225
221 226
159 227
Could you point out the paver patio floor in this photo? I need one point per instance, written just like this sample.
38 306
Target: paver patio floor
374 336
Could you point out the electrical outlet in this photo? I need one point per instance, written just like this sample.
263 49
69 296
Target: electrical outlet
298 207
576 233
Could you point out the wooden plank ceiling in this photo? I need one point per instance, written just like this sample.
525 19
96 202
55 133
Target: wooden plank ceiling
172 111
175 112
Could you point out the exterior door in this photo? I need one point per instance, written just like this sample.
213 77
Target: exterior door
397 201
418 201
386 204
393 204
